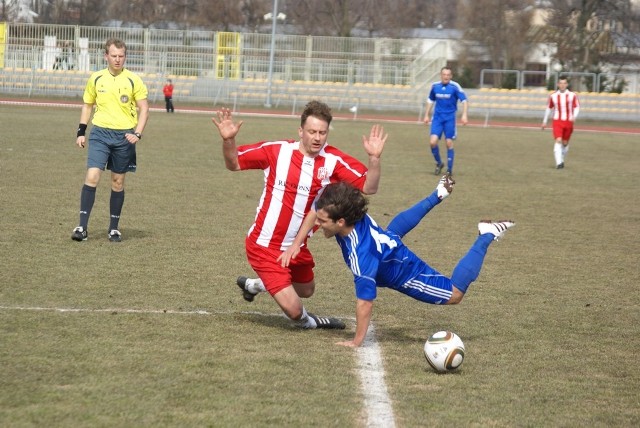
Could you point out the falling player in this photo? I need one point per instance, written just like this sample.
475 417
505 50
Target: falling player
378 257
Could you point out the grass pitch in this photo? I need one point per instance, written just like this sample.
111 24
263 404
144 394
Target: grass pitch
153 331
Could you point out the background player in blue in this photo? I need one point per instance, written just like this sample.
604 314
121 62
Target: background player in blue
444 95
378 258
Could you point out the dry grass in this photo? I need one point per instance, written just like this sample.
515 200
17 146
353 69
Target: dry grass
551 326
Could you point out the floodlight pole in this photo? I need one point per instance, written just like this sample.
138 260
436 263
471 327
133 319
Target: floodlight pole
272 52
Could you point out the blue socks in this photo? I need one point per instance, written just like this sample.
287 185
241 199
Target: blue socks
450 156
468 268
403 222
436 154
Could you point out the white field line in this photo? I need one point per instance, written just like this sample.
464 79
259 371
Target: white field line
371 371
370 368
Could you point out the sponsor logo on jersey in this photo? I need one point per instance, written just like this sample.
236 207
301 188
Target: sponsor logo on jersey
298 187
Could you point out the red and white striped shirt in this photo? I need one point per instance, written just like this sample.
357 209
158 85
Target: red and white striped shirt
564 105
292 182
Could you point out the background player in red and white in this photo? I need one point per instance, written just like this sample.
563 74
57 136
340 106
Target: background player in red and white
294 173
565 107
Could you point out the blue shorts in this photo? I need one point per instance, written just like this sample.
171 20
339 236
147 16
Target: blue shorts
444 125
109 148
430 286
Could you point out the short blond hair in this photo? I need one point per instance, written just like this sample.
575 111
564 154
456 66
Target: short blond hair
114 42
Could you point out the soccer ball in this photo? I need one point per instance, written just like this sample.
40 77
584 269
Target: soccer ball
444 351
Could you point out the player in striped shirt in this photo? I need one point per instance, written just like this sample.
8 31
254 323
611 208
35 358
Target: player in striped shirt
378 257
565 107
294 173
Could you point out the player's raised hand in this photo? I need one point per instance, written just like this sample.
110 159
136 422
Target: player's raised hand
227 128
375 143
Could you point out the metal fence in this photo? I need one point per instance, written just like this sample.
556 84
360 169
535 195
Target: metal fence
218 54
236 69
581 81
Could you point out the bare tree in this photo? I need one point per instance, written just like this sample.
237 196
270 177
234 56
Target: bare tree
328 17
5 10
496 32
431 14
252 13
220 15
586 31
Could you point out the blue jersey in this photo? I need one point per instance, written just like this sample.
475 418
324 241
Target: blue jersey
446 98
378 258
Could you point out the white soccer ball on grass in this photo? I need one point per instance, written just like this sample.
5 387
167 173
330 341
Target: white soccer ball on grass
444 351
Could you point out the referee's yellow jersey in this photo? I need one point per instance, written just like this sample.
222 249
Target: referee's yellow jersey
115 98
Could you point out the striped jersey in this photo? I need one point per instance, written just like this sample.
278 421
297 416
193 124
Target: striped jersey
564 105
378 258
115 98
292 182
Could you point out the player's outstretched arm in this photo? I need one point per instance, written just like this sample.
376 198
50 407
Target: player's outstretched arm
228 131
374 145
364 309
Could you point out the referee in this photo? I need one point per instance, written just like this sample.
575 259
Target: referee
121 113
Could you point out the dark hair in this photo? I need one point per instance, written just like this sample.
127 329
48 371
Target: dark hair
115 42
318 110
342 200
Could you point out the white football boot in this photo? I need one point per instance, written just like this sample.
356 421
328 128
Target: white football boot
496 228
445 186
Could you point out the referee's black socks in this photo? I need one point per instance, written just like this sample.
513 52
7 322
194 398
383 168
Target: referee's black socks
87 198
115 206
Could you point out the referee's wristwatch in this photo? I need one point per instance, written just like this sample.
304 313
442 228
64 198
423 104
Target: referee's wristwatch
139 135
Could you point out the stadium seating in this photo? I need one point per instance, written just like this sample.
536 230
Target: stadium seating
71 83
485 102
338 94
532 103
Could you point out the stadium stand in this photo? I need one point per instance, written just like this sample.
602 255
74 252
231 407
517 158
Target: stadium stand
531 103
486 102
